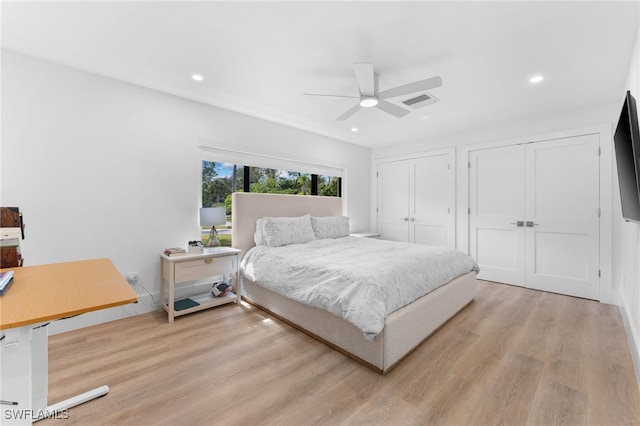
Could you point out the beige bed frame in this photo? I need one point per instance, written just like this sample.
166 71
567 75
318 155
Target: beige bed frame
404 329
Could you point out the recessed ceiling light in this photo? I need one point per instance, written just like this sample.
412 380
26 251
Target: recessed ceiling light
425 117
536 79
197 77
354 129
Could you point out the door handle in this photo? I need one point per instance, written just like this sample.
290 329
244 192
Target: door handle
406 219
530 224
413 219
518 223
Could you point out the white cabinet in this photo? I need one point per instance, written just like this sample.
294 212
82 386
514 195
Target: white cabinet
177 269
416 199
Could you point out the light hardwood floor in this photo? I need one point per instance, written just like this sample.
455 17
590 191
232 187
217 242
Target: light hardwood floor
514 356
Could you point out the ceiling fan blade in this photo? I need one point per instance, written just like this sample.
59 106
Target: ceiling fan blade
349 113
392 109
331 96
365 78
416 86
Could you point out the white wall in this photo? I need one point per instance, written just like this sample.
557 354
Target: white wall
626 240
101 168
527 128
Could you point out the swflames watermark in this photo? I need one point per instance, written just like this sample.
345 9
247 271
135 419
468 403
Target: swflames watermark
22 414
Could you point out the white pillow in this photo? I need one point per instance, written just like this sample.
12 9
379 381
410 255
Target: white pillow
257 236
330 226
281 231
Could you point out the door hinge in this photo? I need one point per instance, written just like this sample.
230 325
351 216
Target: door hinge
599 212
599 151
599 273
377 174
469 210
448 166
469 164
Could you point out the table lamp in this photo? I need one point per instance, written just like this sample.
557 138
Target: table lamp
212 216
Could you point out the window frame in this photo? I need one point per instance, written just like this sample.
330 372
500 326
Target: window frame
224 155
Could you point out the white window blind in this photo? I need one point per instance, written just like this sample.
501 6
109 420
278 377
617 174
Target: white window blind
268 162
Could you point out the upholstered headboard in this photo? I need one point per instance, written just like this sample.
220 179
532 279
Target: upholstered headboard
247 207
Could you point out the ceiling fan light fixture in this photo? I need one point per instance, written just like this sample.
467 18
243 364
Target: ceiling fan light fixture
368 101
536 79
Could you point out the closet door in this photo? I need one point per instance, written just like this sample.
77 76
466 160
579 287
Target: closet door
416 199
534 215
496 213
432 201
393 200
562 241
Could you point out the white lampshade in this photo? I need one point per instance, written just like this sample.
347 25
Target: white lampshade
213 216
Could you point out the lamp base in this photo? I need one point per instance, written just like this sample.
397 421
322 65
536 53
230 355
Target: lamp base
214 238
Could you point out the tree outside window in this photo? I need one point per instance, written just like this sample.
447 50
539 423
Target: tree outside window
220 180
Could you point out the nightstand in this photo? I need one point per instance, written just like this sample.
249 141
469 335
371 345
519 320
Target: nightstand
366 234
190 267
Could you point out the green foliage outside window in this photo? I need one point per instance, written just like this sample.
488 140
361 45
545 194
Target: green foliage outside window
220 180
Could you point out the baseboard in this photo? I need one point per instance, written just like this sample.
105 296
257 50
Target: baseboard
632 338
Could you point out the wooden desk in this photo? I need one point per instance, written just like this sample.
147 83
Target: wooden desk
40 294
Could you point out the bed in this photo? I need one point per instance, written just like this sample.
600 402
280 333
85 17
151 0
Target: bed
403 330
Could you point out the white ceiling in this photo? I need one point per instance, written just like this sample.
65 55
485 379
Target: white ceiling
260 57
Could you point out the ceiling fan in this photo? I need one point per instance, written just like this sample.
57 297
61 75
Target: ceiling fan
370 96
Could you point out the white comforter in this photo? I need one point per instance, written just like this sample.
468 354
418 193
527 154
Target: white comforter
359 279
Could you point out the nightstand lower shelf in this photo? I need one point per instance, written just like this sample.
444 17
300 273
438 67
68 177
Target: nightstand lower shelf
205 301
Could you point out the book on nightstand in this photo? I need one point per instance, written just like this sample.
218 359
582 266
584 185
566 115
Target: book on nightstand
175 251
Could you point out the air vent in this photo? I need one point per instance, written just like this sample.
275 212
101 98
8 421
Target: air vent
420 101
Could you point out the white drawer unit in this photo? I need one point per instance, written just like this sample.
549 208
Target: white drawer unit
174 270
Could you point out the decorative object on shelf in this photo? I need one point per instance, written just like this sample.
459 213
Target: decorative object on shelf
212 216
195 247
220 289
11 234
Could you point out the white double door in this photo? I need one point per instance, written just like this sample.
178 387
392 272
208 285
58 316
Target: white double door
534 215
416 200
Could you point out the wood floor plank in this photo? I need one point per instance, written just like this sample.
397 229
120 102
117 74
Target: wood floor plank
513 356
437 364
508 400
609 362
557 404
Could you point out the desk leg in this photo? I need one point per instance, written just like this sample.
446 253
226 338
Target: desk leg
78 399
40 362
24 378
15 366
39 367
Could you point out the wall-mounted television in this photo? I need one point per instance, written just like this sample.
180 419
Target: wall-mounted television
627 147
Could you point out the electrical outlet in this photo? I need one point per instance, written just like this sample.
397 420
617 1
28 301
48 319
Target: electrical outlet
132 278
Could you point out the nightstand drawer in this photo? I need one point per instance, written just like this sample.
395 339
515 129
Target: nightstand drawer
198 268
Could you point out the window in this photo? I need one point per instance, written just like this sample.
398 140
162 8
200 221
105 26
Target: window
220 180
329 186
